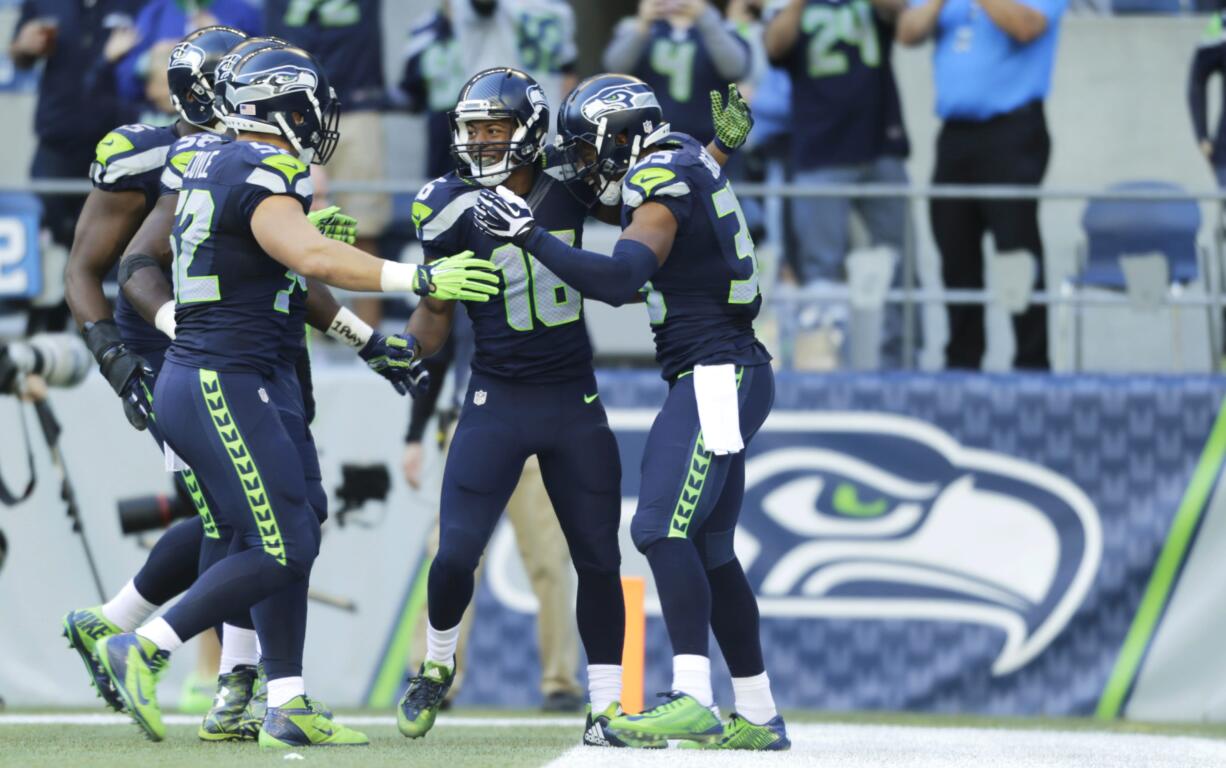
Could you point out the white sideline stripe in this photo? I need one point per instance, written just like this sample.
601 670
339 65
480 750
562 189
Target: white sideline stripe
575 722
874 746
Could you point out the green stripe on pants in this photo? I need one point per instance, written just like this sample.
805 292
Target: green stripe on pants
691 492
244 465
202 506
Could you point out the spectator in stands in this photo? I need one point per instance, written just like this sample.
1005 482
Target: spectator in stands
347 38
1210 57
992 63
684 50
462 37
73 40
847 128
433 75
141 75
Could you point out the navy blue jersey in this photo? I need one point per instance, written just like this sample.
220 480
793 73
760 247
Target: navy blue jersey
678 67
434 73
347 38
236 307
845 107
702 302
130 159
534 329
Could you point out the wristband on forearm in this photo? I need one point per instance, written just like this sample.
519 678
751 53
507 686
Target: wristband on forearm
350 329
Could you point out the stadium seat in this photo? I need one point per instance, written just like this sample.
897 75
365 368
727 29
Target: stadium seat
1132 243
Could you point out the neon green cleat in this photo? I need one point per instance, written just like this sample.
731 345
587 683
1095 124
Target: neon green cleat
230 717
421 701
83 629
679 716
133 665
298 724
739 733
196 696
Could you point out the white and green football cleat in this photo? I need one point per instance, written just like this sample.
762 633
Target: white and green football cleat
230 718
133 665
299 724
596 733
421 701
679 717
83 628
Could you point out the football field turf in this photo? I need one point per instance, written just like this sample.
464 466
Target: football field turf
496 739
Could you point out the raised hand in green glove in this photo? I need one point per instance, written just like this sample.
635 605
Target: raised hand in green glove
733 121
460 277
334 225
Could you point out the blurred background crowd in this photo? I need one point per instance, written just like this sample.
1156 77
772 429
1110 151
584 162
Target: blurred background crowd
877 275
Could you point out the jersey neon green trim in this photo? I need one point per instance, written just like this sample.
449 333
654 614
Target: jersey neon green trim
288 166
651 177
112 144
421 212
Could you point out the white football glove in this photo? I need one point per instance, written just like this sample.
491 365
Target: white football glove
504 215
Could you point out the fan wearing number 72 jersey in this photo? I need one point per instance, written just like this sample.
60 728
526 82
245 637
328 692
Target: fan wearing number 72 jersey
686 245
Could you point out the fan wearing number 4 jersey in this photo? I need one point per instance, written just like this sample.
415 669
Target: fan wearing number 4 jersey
685 243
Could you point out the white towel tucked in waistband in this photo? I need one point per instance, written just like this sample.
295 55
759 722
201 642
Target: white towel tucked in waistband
719 411
173 462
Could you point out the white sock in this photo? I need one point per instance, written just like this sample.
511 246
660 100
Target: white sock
127 610
754 701
604 685
281 690
161 635
238 646
692 675
441 644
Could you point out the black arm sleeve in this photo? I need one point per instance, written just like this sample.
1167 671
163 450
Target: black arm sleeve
1208 59
423 407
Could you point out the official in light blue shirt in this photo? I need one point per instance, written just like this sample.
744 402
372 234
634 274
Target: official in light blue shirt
980 70
993 63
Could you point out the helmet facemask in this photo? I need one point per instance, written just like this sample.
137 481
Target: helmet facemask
603 164
519 150
185 76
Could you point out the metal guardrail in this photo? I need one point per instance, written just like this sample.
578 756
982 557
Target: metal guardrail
914 192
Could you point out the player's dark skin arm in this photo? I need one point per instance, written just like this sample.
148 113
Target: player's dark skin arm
147 289
431 324
106 222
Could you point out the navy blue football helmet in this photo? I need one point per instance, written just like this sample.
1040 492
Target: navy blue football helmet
498 94
285 92
225 67
192 71
603 128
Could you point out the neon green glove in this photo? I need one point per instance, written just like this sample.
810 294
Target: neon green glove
732 122
460 277
334 225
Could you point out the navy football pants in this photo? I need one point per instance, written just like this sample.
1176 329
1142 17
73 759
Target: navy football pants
503 423
689 503
245 436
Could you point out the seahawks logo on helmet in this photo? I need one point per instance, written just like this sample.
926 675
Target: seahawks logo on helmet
225 67
188 56
536 97
284 79
617 98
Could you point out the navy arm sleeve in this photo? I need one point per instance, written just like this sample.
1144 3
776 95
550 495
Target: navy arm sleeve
1206 61
614 279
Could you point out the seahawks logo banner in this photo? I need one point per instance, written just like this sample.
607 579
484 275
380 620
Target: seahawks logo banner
940 543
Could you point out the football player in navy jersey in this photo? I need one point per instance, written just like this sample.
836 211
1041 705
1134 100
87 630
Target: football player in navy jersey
532 390
227 401
129 176
685 243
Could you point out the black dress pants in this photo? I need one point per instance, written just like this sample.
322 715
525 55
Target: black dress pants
1012 148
